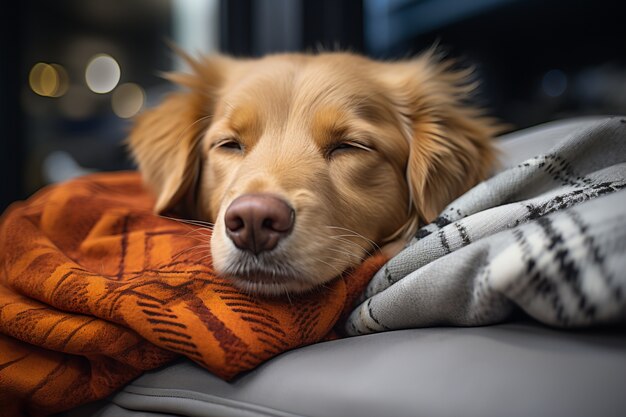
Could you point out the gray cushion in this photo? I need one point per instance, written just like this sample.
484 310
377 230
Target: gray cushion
523 144
515 369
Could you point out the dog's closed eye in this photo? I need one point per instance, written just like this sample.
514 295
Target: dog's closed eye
228 144
345 146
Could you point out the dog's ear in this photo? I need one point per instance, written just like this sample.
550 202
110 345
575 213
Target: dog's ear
165 140
450 140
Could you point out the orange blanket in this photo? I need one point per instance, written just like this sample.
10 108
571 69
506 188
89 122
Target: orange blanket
95 289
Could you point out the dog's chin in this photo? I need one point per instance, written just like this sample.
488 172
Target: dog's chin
270 285
267 275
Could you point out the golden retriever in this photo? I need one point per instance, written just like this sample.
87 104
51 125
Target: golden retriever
305 164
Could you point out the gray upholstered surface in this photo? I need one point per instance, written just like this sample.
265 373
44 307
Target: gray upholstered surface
520 145
515 369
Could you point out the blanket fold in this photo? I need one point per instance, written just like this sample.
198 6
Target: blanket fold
547 236
95 289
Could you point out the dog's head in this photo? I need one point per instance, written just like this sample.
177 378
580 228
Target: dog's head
307 163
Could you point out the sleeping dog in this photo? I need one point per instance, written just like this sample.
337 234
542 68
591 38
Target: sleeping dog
305 164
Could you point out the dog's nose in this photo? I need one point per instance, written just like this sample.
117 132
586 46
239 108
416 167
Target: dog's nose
257 222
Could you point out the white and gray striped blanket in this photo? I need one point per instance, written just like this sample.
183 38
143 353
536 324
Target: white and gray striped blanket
547 236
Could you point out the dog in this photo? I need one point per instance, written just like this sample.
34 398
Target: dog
307 163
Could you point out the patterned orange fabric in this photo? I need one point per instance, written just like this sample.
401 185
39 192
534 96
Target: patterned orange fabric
95 289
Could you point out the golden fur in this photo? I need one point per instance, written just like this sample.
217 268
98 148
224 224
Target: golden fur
364 151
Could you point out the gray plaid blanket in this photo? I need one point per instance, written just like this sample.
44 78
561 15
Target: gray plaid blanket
547 236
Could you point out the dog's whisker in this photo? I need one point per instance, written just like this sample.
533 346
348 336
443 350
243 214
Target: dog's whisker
286 291
348 254
198 225
202 235
346 238
193 222
203 249
203 224
183 131
191 250
339 260
356 234
202 258
198 234
197 245
330 265
177 255
199 230
201 252
340 239
325 287
197 238
349 257
352 232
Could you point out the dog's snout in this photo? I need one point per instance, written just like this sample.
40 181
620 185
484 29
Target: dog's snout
257 222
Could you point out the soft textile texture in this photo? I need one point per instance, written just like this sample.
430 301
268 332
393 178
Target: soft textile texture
95 289
548 236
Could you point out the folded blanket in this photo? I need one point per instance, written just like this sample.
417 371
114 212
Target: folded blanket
547 236
95 289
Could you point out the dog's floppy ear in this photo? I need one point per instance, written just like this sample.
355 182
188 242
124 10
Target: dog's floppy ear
165 140
450 141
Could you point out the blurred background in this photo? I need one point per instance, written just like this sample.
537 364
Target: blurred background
73 73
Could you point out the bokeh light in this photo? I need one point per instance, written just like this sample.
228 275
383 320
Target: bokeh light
48 80
61 166
63 80
127 100
102 73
